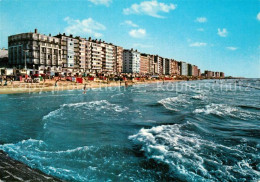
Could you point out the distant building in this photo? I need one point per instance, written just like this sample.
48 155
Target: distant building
144 64
65 53
3 53
195 71
131 62
199 73
208 74
34 50
159 65
222 75
190 70
166 66
118 68
69 50
175 71
183 68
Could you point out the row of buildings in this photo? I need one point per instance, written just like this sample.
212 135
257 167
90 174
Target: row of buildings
65 53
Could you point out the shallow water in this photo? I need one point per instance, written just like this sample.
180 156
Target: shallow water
187 131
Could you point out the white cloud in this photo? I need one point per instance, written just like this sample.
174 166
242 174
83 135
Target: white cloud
198 44
138 33
223 32
86 26
201 19
258 16
232 48
200 29
130 23
101 2
151 8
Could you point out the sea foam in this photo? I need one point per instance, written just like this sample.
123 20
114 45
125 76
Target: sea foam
191 157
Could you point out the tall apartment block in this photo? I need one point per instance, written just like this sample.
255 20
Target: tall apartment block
208 74
42 52
199 73
166 66
64 53
159 65
175 71
195 71
190 70
131 63
217 74
118 65
144 64
183 68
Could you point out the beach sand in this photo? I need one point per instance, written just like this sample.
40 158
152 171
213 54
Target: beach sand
49 85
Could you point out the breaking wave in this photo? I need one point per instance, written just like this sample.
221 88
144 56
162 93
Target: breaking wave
172 103
225 110
192 158
94 105
218 109
199 97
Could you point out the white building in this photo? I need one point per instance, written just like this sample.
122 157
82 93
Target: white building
3 53
131 61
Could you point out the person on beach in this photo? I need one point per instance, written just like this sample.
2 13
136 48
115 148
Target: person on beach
1 79
126 83
85 89
56 83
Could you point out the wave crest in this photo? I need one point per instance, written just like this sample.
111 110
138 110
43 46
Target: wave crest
192 158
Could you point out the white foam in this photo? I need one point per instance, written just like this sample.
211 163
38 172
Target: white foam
187 153
93 105
218 109
172 103
199 97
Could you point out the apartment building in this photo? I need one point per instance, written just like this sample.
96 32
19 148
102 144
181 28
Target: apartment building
183 68
166 66
195 71
222 75
199 73
144 64
190 70
69 51
131 62
34 50
118 64
108 57
208 74
174 67
159 64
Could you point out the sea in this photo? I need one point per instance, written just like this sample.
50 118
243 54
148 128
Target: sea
206 130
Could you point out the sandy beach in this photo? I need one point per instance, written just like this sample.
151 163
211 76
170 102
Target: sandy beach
49 85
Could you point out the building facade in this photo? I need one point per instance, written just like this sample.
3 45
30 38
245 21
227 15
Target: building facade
34 50
183 68
195 71
144 64
118 66
131 62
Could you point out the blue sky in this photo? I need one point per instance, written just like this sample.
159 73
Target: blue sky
219 35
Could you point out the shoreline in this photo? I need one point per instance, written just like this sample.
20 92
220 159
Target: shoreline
18 87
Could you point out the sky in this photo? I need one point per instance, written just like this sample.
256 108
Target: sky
217 35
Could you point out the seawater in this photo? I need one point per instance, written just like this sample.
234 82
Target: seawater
183 131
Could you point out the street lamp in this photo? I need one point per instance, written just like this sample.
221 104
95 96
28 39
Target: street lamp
25 65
